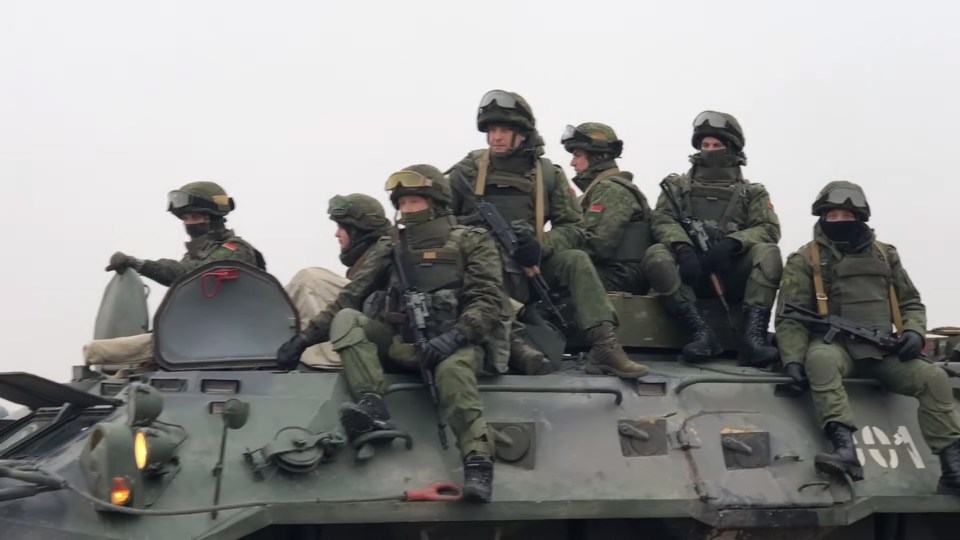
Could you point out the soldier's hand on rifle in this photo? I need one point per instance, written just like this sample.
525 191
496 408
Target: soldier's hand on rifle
288 355
798 373
689 263
121 261
441 347
527 253
720 256
909 346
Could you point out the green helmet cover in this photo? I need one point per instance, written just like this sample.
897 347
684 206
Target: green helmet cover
501 107
200 198
720 125
358 211
439 190
592 137
842 194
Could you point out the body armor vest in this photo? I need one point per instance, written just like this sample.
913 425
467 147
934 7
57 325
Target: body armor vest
715 205
434 265
636 237
858 287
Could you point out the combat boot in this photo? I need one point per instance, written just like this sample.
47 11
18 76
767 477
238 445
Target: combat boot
705 344
526 360
756 349
368 414
477 478
843 459
607 356
949 483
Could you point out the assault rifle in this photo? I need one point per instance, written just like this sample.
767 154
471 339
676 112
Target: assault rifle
838 325
415 303
701 241
507 238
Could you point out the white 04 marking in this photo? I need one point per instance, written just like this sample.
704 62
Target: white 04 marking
878 446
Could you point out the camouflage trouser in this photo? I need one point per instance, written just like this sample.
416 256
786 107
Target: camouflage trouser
623 277
828 363
365 345
753 278
573 270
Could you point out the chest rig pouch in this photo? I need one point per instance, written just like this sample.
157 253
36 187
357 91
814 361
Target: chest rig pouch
636 238
859 291
715 205
434 266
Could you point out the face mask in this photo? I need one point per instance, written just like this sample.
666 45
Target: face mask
196 230
409 219
853 233
717 158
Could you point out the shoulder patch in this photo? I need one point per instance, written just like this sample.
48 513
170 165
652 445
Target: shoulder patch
230 245
596 208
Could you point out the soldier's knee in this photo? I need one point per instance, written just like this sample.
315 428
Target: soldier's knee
936 385
571 258
660 267
346 329
457 367
823 368
767 260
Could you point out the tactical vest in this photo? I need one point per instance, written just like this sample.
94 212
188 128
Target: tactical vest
514 194
434 265
715 204
858 287
636 237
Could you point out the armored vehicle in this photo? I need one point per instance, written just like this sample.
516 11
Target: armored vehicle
211 440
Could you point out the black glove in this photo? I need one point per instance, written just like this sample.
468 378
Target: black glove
121 261
720 256
909 345
689 264
527 253
441 347
288 355
798 373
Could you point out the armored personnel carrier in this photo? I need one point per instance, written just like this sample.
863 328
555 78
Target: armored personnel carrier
212 440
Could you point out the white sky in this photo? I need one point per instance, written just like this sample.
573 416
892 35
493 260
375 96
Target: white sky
106 106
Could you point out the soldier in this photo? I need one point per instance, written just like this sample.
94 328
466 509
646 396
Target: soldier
846 271
529 190
360 221
202 206
743 229
616 215
460 270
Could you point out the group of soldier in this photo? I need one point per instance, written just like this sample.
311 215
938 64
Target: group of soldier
478 295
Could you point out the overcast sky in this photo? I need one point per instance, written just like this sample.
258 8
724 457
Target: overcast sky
106 106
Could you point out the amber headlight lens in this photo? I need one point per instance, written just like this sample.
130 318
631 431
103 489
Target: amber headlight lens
140 449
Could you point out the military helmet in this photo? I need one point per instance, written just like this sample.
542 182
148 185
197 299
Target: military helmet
720 125
358 211
592 137
842 194
200 198
423 180
501 107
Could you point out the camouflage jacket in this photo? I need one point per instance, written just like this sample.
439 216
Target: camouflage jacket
560 205
608 205
796 287
214 246
480 293
750 220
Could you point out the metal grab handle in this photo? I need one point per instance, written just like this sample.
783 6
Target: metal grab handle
616 392
760 380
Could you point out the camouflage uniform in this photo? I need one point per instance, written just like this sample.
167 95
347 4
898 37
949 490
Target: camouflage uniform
363 218
218 244
510 181
739 218
616 216
459 269
859 275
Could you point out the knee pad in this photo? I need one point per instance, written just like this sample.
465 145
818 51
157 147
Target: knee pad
346 329
936 384
661 270
823 369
